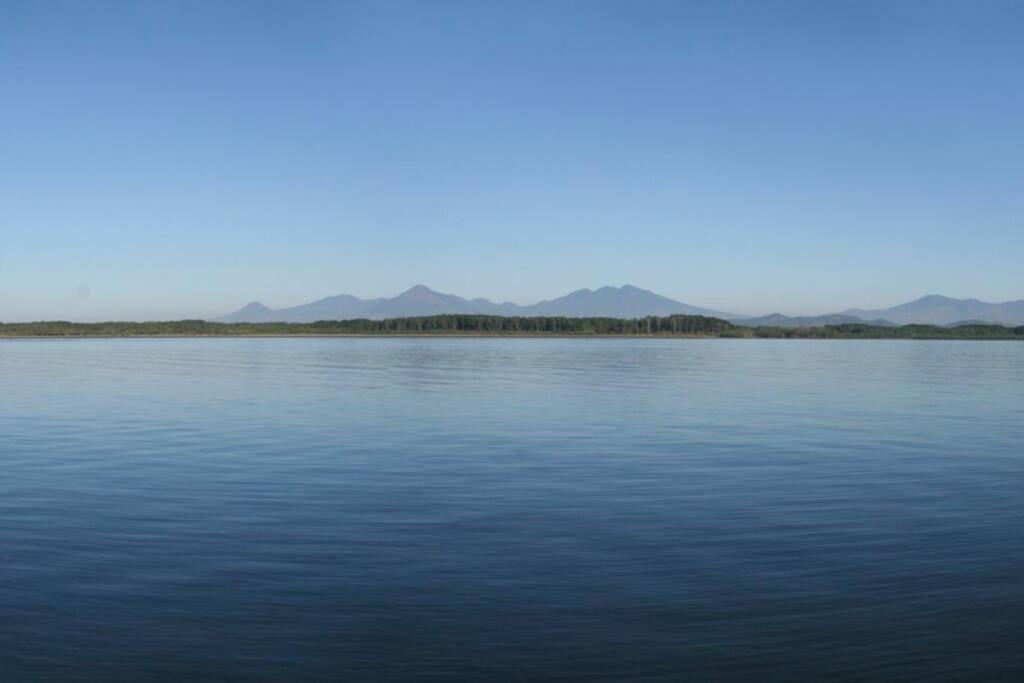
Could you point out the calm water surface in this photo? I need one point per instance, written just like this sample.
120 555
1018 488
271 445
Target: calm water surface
511 509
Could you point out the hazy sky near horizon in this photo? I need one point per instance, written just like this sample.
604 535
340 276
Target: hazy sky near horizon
179 159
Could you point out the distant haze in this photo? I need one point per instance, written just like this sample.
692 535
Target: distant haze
622 302
627 301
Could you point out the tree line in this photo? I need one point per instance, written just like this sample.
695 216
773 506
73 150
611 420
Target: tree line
651 326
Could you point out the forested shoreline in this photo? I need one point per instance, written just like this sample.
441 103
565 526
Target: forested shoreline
478 325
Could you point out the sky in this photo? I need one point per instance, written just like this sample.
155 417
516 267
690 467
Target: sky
178 159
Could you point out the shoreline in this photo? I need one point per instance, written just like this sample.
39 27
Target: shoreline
471 335
457 335
450 326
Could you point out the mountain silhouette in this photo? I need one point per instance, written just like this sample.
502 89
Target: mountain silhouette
613 302
942 310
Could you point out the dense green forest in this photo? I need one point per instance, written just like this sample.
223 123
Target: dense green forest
668 326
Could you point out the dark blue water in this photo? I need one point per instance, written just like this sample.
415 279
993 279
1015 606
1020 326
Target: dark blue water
511 509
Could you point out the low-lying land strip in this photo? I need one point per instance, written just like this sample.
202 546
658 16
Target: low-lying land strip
477 325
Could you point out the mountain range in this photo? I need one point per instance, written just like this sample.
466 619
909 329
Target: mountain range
942 310
928 310
613 302
623 302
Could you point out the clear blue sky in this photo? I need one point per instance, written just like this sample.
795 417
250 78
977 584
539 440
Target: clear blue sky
179 159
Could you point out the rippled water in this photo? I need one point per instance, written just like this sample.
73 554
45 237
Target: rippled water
511 508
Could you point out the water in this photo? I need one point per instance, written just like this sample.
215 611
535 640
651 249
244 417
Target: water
263 509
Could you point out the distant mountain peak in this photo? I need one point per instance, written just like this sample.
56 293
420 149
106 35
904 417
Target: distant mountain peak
253 306
421 292
627 301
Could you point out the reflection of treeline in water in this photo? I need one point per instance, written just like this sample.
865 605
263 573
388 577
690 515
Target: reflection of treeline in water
667 326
